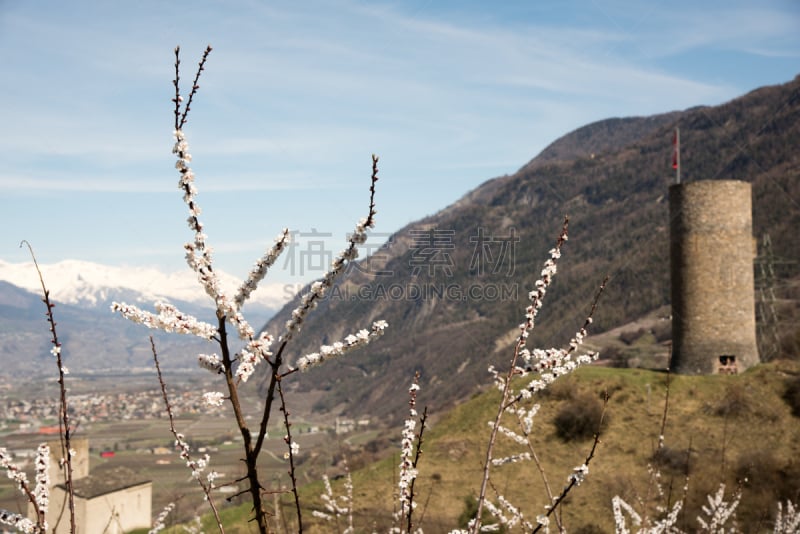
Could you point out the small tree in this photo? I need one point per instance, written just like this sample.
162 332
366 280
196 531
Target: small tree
235 368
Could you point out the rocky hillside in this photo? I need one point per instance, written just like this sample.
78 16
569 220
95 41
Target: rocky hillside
453 286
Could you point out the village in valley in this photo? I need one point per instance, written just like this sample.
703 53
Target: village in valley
123 441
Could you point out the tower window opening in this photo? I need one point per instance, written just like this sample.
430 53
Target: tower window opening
727 365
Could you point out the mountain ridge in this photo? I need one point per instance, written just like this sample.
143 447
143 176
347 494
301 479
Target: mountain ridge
87 283
94 339
611 177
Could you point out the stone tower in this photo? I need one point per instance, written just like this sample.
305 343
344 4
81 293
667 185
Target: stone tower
711 255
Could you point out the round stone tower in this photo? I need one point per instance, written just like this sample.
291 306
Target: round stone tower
711 255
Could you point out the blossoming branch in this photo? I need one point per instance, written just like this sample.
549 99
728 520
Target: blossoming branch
237 368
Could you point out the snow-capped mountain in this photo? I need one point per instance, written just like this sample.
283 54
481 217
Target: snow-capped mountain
95 340
91 284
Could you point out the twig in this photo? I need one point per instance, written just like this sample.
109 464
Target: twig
408 470
687 476
180 119
425 507
238 367
179 440
666 409
176 81
528 325
573 479
17 475
417 454
586 323
540 468
309 302
288 426
65 434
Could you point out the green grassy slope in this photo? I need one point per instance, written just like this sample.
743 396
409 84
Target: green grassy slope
729 427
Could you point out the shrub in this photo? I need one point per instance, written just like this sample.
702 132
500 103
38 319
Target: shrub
616 357
734 403
674 460
580 418
792 395
470 509
758 470
590 528
560 390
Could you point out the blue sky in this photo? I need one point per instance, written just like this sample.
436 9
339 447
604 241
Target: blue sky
298 95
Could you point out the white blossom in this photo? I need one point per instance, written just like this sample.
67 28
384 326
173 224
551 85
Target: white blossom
579 474
514 458
261 267
333 508
619 506
12 470
198 253
250 356
210 362
664 526
507 514
788 522
20 522
42 490
317 289
408 473
521 440
169 319
718 511
158 524
537 295
294 449
213 398
350 342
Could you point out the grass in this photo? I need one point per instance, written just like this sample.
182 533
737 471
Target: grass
722 424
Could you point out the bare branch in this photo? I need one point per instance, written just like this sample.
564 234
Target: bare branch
196 466
66 431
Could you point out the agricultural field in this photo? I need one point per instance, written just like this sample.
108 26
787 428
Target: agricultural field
146 447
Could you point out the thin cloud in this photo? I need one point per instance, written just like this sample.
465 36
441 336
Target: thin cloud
340 77
760 30
55 182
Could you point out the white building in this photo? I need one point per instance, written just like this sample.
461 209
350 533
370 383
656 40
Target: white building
116 502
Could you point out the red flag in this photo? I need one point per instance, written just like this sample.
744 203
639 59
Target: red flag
676 149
